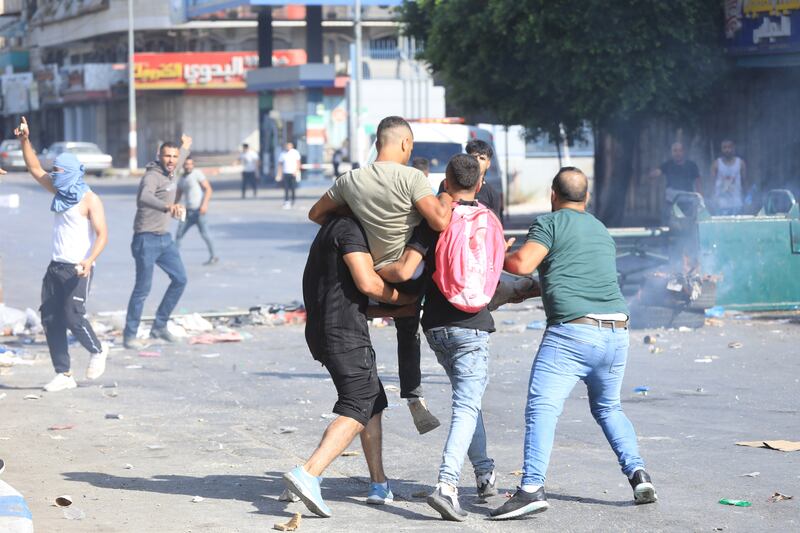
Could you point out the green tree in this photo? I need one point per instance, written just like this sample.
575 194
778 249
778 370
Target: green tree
542 63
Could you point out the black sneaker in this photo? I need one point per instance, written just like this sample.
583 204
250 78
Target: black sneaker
521 504
447 505
487 485
643 489
163 334
2 466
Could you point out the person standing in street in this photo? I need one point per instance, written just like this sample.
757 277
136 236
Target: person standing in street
249 161
336 160
79 236
729 174
680 174
196 191
586 339
153 245
289 172
338 281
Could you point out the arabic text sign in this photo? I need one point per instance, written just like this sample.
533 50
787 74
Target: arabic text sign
204 70
751 30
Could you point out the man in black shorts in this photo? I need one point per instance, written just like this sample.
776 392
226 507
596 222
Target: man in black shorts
338 281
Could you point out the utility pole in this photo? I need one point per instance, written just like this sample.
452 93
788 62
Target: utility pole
133 164
357 86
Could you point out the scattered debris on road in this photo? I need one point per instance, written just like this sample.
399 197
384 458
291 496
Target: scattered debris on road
64 500
291 525
778 497
778 445
736 503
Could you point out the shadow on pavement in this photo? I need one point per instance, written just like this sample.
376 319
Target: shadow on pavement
582 499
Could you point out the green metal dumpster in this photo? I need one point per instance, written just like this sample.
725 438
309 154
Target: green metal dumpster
756 257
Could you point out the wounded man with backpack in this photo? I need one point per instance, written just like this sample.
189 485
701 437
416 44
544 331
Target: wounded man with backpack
464 262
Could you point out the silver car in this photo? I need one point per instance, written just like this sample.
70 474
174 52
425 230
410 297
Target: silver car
11 155
89 154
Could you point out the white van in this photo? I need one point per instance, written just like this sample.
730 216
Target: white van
437 140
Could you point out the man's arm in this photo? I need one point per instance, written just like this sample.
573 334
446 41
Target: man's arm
325 208
436 210
207 191
404 268
29 155
97 217
183 153
370 283
525 260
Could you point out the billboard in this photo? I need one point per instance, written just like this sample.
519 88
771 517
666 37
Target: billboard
762 27
204 70
196 8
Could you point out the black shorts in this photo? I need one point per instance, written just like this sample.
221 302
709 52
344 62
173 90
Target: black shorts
361 394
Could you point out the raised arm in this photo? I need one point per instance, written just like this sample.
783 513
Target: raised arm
325 208
97 217
29 155
436 210
370 283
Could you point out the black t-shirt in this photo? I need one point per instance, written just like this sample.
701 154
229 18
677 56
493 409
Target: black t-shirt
680 177
487 196
336 309
437 312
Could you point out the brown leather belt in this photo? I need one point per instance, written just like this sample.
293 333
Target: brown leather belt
622 324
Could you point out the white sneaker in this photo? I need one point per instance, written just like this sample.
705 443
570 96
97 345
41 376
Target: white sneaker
287 205
97 363
61 382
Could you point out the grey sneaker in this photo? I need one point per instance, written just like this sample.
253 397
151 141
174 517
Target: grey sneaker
643 489
445 500
423 418
514 291
134 344
521 504
163 334
487 485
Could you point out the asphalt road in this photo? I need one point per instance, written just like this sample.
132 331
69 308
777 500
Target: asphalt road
199 424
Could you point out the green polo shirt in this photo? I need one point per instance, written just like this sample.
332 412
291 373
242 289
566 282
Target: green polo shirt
579 273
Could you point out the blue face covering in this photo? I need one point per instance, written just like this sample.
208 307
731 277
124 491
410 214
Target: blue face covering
68 182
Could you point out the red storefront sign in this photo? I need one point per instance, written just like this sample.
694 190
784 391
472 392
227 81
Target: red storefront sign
204 70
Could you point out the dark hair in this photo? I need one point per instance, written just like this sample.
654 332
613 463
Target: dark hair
463 172
421 163
479 147
386 125
188 158
245 146
569 188
168 144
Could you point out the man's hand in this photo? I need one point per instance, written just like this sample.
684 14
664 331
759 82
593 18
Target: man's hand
186 142
84 268
2 172
510 242
22 131
175 211
203 209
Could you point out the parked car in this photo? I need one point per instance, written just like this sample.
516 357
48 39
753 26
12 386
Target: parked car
89 154
11 155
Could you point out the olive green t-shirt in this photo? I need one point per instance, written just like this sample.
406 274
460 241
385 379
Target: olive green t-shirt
382 196
579 273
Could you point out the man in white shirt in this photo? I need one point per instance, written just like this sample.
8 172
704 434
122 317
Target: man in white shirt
249 161
289 173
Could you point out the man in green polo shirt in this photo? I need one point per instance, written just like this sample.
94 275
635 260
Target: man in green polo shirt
586 339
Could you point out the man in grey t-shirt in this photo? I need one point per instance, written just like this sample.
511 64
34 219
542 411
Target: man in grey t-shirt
153 245
196 192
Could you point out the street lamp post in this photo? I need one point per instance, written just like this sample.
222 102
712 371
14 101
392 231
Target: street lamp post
133 164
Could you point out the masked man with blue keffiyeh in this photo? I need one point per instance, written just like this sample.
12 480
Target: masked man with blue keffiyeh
79 235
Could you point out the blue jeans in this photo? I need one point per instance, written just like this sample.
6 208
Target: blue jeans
464 354
148 250
568 353
193 216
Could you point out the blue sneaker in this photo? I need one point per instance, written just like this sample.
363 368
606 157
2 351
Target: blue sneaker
306 487
378 494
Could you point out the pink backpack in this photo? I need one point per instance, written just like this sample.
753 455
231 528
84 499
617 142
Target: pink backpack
469 257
